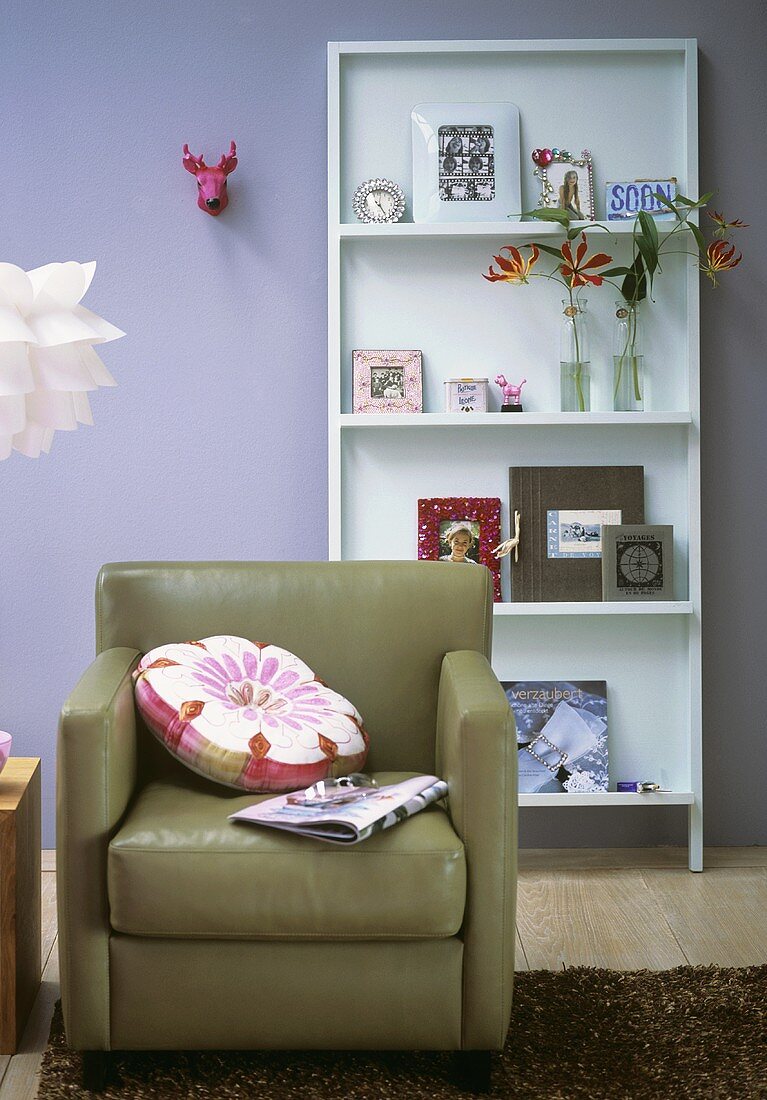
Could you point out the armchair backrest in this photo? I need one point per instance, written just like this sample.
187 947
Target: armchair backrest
374 631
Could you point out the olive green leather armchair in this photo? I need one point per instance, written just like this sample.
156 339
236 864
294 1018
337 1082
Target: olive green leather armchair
181 930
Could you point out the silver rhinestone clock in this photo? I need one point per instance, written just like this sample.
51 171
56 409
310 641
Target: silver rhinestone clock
379 201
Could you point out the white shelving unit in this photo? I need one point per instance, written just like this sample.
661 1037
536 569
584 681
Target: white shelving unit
418 285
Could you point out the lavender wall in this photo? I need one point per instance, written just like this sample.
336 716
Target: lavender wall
214 444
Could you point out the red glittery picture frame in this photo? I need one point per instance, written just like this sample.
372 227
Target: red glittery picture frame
433 512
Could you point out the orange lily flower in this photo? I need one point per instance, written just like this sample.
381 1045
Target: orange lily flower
576 272
722 226
514 268
720 256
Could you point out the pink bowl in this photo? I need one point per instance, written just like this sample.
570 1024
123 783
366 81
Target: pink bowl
5 748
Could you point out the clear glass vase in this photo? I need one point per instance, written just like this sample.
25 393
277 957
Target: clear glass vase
628 359
574 358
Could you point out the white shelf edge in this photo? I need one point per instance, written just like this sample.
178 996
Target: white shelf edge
518 45
596 607
506 420
452 230
610 798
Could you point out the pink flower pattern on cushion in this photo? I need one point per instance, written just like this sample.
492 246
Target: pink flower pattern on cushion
248 714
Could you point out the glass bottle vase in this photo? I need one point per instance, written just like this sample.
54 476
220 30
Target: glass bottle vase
628 359
574 358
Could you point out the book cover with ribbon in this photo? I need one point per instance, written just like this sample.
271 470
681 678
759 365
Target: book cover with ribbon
562 510
561 735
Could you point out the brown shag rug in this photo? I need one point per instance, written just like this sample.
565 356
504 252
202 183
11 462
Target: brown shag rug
689 1032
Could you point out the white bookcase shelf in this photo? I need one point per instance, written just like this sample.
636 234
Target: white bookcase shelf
509 420
609 798
513 230
659 607
412 285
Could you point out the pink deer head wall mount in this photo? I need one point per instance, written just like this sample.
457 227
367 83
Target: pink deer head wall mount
211 181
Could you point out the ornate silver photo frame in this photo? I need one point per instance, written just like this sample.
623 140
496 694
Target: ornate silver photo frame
567 182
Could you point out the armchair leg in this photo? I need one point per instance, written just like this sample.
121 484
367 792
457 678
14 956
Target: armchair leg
473 1070
96 1065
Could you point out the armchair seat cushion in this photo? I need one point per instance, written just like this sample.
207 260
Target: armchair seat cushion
178 868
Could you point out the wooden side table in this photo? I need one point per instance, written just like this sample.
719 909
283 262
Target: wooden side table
20 912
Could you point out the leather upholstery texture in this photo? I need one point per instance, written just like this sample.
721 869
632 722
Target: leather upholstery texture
179 868
181 930
376 632
240 995
95 778
477 755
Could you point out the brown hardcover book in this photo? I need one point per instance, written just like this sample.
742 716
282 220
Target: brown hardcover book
562 509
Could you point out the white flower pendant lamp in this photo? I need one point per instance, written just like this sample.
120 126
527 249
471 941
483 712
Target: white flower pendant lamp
47 361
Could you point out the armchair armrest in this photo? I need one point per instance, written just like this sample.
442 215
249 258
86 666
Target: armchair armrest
477 755
95 777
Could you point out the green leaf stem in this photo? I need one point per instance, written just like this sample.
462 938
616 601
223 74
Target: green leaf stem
549 250
634 286
550 214
700 240
695 204
661 198
648 253
649 229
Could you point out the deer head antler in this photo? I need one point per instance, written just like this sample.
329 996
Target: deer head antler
228 161
192 163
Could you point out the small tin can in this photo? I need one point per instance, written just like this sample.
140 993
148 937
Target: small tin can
466 395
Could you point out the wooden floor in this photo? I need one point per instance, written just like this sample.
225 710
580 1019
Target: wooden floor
626 909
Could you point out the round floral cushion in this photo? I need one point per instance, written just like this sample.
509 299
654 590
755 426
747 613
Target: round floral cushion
248 714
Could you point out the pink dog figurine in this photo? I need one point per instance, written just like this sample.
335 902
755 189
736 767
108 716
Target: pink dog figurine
211 182
511 393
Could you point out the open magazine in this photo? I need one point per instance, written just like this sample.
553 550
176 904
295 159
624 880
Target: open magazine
371 810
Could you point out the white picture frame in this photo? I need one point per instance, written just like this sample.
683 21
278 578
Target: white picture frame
466 162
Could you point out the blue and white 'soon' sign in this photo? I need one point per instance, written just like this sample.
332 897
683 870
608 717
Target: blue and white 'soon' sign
625 200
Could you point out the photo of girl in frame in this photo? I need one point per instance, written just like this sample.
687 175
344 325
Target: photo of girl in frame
459 541
461 530
566 183
569 195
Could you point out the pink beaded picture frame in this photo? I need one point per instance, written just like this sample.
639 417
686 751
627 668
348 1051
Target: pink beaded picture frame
443 524
387 381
